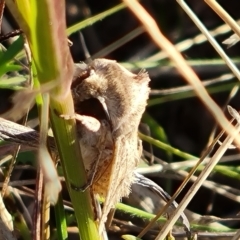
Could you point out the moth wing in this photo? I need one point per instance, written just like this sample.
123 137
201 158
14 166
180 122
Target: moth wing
121 176
115 177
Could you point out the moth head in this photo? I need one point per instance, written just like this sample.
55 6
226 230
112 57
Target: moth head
87 83
122 94
87 91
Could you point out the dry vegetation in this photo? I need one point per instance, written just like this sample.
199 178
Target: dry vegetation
186 111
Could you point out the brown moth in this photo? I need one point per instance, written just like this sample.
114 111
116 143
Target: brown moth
109 103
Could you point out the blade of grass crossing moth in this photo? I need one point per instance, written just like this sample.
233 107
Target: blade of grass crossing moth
45 28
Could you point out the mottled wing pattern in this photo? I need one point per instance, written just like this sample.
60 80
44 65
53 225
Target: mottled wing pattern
120 175
114 180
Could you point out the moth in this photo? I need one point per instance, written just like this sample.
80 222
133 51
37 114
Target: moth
109 102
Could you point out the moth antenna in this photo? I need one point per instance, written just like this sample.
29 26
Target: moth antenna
85 49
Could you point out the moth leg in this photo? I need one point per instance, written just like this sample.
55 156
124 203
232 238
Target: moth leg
91 125
110 218
73 116
90 178
100 145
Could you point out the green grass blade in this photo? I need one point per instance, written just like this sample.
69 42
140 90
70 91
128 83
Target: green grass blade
60 219
45 29
94 19
12 51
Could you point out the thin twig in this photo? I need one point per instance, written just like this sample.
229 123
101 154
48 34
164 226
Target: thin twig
224 15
